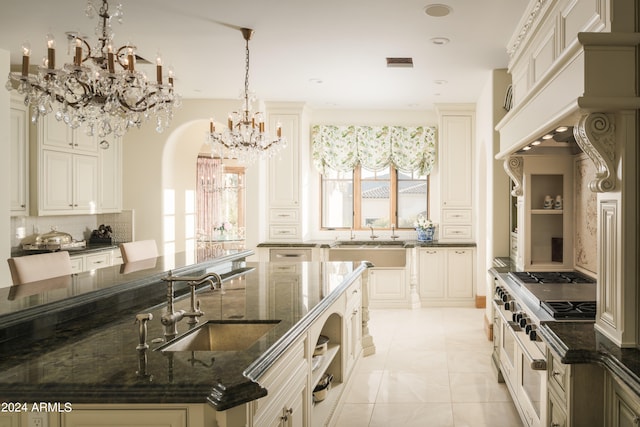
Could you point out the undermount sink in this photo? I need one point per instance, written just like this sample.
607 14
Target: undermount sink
380 254
221 335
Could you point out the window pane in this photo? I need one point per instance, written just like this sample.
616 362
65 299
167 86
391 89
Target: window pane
412 198
375 198
337 202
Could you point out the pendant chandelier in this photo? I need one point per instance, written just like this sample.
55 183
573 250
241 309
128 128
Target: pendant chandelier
101 89
245 137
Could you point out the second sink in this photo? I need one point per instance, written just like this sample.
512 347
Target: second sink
221 335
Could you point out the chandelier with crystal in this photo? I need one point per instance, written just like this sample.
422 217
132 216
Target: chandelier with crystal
245 137
102 89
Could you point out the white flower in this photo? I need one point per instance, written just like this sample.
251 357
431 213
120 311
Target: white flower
423 223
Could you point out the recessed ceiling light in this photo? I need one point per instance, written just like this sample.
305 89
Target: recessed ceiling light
536 143
548 136
437 10
440 41
527 148
562 129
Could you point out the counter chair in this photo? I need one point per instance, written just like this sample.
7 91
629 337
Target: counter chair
32 268
138 250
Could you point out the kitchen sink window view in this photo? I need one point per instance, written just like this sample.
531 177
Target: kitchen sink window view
177 255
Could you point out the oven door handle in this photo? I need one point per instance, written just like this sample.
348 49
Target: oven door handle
535 364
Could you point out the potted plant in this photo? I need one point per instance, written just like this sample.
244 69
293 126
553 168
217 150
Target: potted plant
425 229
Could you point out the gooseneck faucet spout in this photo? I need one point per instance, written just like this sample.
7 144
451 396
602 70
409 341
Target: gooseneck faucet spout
373 236
171 318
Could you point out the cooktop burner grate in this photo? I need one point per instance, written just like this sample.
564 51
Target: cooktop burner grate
570 309
551 277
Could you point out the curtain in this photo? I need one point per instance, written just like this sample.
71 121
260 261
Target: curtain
208 204
342 148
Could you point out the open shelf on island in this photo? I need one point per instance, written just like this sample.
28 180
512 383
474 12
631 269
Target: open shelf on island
327 358
547 211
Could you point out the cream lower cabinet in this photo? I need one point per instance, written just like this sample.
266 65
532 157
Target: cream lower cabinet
287 382
166 415
387 288
446 276
622 405
575 393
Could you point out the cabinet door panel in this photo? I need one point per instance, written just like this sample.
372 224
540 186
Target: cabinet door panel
460 273
85 183
431 263
56 188
19 159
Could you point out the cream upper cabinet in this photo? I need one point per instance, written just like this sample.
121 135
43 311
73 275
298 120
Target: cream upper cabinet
72 173
284 215
455 158
19 151
110 183
68 183
57 135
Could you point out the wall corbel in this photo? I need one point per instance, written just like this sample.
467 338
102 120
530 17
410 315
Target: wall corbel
595 134
514 166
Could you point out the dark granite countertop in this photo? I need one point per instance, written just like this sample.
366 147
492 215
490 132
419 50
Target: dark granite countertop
90 248
328 244
580 342
94 359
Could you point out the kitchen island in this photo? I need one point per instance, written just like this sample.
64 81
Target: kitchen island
90 364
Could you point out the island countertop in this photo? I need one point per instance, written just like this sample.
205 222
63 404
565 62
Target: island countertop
96 361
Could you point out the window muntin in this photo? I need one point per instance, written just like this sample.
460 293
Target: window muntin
382 198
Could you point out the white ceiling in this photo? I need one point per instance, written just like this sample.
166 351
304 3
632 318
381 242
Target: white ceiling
342 43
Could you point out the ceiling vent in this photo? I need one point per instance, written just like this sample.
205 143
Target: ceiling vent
400 62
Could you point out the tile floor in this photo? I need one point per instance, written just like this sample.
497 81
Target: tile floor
432 368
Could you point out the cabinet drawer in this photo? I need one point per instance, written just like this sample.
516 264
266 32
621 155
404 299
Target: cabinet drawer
283 215
455 232
283 232
77 264
559 377
95 261
289 255
456 216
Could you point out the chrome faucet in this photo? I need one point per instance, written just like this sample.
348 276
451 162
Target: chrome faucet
171 318
394 236
373 236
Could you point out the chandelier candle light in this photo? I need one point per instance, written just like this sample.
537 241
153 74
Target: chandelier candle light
245 137
90 91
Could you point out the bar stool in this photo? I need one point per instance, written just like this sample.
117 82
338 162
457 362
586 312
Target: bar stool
138 250
32 268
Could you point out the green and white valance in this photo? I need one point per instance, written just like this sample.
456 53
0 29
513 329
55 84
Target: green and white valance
342 148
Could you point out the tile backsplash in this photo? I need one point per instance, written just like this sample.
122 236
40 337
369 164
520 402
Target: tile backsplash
79 226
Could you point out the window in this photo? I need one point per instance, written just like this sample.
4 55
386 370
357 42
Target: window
379 199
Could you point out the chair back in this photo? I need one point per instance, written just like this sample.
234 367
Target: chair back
32 268
138 250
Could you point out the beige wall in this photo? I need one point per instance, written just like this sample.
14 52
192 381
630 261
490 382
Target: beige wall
161 167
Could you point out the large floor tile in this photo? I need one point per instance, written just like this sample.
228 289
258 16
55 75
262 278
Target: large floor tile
412 415
494 414
432 367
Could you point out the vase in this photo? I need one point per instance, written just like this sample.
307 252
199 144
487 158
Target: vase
425 235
